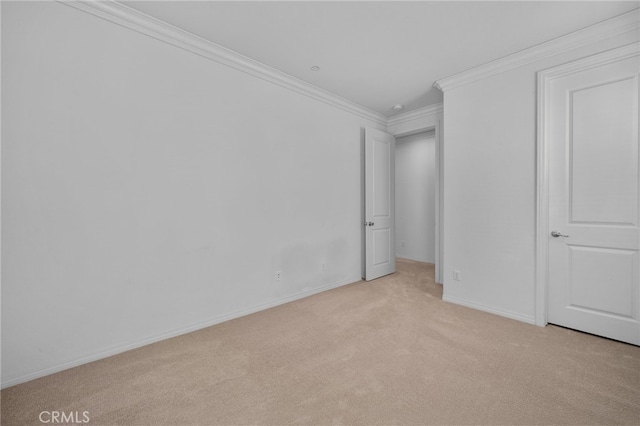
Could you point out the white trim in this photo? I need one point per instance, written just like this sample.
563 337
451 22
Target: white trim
629 21
0 192
439 172
544 79
169 334
403 124
127 17
503 313
414 260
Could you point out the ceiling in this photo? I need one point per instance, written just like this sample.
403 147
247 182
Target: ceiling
380 53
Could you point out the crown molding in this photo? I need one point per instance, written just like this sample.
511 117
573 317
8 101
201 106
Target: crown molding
415 121
127 17
416 114
626 22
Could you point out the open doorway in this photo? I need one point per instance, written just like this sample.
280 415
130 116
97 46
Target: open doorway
428 122
415 202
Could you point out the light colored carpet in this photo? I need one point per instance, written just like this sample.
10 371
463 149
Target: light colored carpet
384 352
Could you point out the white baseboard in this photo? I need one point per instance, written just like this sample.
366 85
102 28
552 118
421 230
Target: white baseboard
169 334
503 313
399 256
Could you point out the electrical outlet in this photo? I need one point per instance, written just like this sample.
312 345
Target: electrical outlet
323 267
457 275
402 243
278 275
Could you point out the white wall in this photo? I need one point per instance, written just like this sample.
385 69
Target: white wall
415 197
147 191
490 187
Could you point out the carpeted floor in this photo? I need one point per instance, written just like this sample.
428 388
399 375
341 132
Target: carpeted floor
385 352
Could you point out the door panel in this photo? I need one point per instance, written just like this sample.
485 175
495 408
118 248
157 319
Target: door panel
379 204
612 270
381 178
604 113
594 270
381 244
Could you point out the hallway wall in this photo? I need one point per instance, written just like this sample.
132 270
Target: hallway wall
415 197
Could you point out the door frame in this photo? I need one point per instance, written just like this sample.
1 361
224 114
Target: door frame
421 121
544 80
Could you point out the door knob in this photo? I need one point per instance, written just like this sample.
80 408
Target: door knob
556 234
368 224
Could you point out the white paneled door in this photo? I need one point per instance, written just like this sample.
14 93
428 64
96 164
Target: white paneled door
379 188
593 241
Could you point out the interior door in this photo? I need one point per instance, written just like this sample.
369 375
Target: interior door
594 270
379 188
